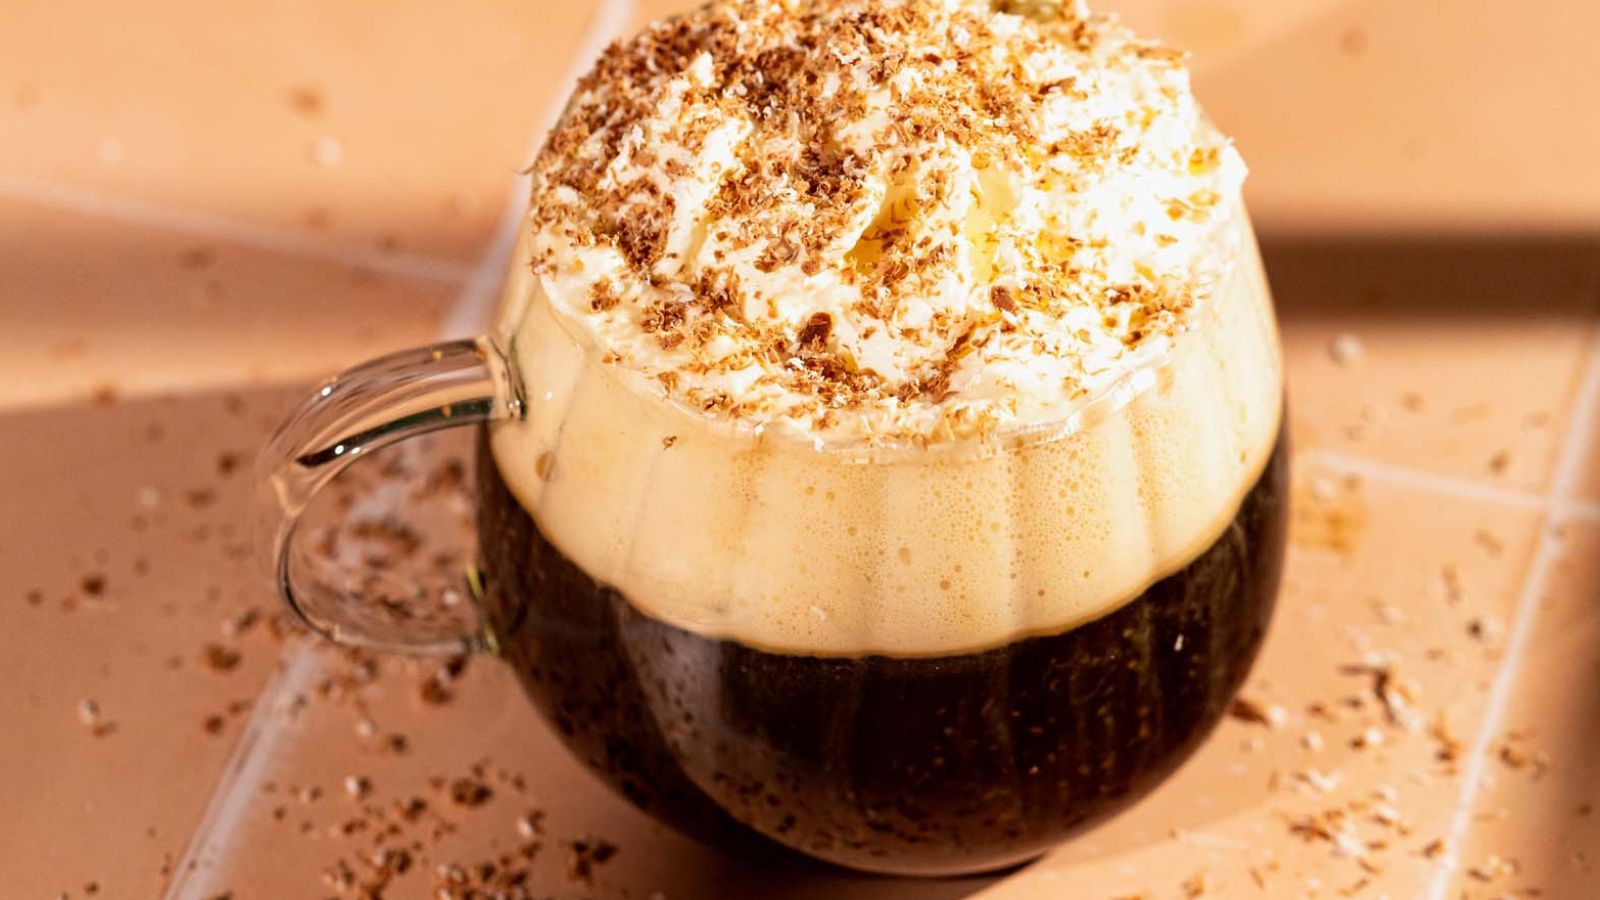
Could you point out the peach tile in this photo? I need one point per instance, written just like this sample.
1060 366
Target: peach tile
1459 357
1218 32
395 125
1586 489
1378 574
1385 114
1536 822
90 303
124 553
647 11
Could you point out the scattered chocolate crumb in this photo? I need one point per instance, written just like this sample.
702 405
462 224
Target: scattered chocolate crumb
1247 709
219 658
668 441
412 808
1485 631
1451 579
227 463
454 667
1500 462
433 691
1449 746
584 854
1515 756
306 100
197 257
1489 542
470 792
1397 695
90 717
357 785
530 824
1491 868
1353 42
242 622
213 724
200 498
93 585
1368 738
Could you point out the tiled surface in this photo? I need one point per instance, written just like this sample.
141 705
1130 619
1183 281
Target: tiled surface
197 198
124 553
375 124
1588 484
1537 821
1404 115
1459 357
91 304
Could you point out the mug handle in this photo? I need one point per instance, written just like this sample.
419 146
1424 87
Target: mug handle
390 399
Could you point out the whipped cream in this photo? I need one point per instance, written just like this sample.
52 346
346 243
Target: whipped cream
884 220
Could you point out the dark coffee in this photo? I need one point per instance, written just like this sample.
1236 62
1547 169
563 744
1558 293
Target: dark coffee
925 764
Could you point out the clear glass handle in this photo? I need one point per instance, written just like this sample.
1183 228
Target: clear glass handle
400 396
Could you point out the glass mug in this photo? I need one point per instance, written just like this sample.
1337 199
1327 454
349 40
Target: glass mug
926 660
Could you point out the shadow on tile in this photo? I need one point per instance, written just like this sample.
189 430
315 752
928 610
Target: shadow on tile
1455 356
1433 276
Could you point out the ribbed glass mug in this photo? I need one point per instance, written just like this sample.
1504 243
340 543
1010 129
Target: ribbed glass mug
923 660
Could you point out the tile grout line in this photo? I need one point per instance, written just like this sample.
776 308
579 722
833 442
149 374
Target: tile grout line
1431 482
1567 509
300 664
298 667
1574 452
207 225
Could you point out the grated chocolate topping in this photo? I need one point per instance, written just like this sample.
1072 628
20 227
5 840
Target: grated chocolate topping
884 219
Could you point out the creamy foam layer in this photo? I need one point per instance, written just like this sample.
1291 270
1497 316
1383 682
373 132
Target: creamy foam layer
905 326
884 221
772 542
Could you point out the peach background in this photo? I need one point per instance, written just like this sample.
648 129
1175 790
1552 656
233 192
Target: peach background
205 206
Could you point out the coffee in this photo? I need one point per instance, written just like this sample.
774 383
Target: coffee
898 467
916 764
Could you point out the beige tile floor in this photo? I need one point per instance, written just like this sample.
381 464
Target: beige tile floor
200 205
